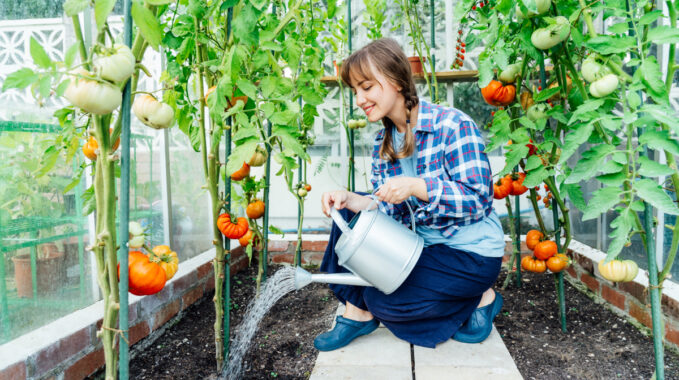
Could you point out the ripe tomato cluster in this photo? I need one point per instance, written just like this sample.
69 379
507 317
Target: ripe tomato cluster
547 199
511 184
545 255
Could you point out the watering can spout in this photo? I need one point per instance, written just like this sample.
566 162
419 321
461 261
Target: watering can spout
304 278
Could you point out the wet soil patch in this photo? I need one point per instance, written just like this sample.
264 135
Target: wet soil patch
599 344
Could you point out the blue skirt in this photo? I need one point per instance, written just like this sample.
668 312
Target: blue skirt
441 292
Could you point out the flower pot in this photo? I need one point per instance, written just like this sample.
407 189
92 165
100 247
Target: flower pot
416 64
50 271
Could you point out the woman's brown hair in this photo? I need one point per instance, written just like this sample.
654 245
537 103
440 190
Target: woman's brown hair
386 56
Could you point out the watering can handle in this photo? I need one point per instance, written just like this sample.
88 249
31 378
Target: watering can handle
412 215
341 223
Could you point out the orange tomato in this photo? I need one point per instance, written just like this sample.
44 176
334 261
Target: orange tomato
503 189
533 264
558 262
230 229
241 173
255 210
498 95
533 237
517 185
90 147
145 276
545 249
245 239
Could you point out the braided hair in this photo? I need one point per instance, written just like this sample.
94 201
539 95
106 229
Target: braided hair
386 56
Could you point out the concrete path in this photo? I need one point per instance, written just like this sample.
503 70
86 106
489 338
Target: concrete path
381 355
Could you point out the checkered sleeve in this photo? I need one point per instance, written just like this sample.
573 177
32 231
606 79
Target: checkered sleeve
468 194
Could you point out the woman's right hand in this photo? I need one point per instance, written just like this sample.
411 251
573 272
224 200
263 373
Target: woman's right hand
338 199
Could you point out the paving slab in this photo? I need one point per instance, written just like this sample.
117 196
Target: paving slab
455 360
380 355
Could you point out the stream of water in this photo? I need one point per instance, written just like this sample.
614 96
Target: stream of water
278 285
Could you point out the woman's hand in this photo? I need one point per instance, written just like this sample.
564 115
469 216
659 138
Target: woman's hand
338 199
398 189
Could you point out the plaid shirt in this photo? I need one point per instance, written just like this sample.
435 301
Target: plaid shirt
452 162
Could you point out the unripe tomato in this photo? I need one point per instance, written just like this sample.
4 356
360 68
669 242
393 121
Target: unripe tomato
545 38
618 271
537 111
558 262
532 264
542 7
592 70
241 173
361 123
352 124
533 237
117 66
302 192
92 96
259 157
509 74
153 113
545 249
604 86
255 210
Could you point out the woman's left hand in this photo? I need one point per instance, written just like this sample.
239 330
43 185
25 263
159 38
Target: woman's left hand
396 190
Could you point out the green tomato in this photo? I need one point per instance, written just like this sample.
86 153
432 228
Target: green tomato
537 111
302 192
604 86
361 123
116 67
542 6
352 124
546 38
92 96
135 228
592 70
509 74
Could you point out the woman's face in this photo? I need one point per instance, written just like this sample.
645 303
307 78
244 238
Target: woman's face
377 97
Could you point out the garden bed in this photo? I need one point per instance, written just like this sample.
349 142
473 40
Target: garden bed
599 344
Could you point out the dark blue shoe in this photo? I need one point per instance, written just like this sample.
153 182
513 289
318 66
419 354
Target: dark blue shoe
479 325
344 332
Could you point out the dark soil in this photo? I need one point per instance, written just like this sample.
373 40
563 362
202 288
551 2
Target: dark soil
598 345
281 349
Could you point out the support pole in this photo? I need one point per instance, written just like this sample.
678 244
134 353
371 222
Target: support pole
123 350
352 163
517 238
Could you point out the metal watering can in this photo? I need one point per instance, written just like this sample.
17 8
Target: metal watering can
378 250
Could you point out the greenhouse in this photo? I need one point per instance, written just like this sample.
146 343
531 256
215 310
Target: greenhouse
254 189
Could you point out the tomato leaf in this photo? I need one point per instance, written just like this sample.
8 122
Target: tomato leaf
652 193
612 179
513 156
148 24
245 25
603 200
247 87
659 140
590 163
546 94
159 2
73 7
241 154
590 105
102 8
611 44
663 114
20 79
574 192
663 34
39 55
652 78
649 18
536 177
621 225
574 140
650 168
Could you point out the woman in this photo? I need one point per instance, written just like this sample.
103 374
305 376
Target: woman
432 157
